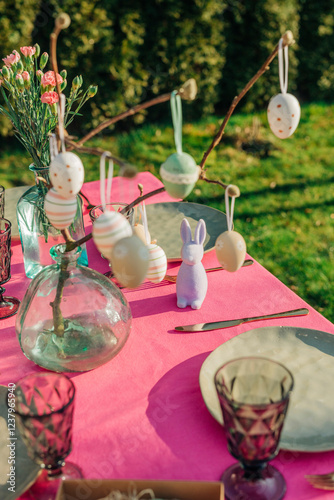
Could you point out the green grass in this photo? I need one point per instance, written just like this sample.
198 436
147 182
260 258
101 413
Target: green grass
286 208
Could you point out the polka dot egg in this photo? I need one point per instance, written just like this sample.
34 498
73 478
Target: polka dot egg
108 229
179 174
60 211
129 261
283 115
67 174
230 250
157 265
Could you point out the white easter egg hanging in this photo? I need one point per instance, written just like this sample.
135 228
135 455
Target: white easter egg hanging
283 115
67 174
60 211
179 174
129 261
230 250
157 265
108 229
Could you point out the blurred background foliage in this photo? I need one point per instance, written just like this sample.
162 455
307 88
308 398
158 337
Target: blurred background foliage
137 49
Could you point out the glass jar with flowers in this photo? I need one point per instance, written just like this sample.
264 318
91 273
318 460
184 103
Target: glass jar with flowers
31 105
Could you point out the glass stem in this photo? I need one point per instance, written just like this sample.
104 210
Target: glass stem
253 471
2 291
55 471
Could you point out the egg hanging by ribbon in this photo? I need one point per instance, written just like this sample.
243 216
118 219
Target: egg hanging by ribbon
179 174
230 250
283 115
60 211
129 261
108 229
67 174
157 265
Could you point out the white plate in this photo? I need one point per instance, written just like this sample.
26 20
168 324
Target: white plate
309 355
164 221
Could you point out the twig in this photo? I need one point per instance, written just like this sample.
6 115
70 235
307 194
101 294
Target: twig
125 114
95 151
287 40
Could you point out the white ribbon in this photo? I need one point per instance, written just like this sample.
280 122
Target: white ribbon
103 179
283 75
229 214
142 210
53 146
61 118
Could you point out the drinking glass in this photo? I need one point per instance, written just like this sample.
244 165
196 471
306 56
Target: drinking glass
44 404
8 305
2 202
254 395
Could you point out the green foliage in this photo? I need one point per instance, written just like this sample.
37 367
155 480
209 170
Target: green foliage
252 31
316 49
16 25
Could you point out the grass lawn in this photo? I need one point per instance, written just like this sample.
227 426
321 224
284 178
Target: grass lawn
286 208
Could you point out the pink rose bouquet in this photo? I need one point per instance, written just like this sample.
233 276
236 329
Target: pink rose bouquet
31 99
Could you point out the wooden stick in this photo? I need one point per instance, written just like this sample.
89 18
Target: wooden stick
287 40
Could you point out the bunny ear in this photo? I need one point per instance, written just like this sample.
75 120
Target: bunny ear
200 232
185 231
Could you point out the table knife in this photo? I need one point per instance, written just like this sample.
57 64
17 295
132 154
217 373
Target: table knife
215 325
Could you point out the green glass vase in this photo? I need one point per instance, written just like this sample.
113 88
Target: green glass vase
72 318
37 234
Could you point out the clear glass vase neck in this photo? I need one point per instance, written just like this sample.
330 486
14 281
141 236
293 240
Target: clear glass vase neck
40 172
59 254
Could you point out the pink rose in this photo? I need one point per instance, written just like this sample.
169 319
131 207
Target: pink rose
12 58
48 79
26 76
50 98
28 51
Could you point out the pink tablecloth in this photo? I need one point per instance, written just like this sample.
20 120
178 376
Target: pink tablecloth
142 414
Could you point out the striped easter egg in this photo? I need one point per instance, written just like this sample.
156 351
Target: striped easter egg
109 228
59 211
157 265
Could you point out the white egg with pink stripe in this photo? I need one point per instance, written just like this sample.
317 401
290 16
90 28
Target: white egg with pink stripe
157 265
60 211
109 228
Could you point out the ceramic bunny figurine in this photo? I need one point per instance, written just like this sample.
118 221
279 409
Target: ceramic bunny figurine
192 281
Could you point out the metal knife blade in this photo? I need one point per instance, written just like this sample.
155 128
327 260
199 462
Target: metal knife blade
216 325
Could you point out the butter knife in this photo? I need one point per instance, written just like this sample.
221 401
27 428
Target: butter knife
215 325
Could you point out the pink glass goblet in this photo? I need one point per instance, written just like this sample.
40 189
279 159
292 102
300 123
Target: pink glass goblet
8 305
254 395
44 404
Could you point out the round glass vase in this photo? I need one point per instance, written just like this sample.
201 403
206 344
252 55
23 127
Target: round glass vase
72 318
37 234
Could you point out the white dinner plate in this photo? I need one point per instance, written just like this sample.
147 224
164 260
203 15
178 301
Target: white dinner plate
309 355
164 221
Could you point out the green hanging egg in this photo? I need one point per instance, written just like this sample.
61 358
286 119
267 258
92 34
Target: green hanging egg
179 174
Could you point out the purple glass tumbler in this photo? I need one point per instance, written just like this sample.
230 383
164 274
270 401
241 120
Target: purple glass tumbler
254 395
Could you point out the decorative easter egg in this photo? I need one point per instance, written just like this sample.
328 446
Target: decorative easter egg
67 174
139 231
129 261
108 229
230 250
60 211
179 174
283 115
157 265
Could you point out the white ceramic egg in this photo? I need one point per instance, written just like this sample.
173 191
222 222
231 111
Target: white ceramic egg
60 211
157 265
67 174
108 229
283 115
129 261
230 250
